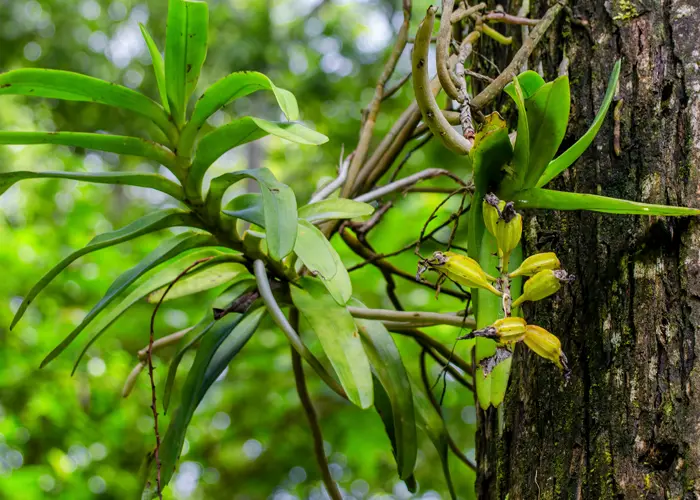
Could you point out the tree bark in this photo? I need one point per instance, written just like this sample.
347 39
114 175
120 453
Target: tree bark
627 425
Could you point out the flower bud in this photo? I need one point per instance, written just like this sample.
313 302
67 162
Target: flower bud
546 345
508 234
504 330
463 270
536 263
492 207
543 284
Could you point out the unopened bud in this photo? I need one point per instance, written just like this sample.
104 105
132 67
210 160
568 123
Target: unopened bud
504 330
546 345
508 234
543 284
536 263
492 207
463 270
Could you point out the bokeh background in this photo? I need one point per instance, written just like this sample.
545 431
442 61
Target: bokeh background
76 437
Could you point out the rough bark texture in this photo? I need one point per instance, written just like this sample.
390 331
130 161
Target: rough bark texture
628 423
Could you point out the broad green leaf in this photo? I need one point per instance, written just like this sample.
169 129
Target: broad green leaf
388 367
226 90
152 222
336 330
530 82
158 66
279 206
319 256
70 86
242 131
560 200
197 39
101 142
153 181
568 157
338 208
521 152
491 152
247 207
164 252
547 116
189 395
212 277
159 277
175 55
432 424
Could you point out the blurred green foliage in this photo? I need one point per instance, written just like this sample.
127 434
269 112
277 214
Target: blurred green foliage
76 437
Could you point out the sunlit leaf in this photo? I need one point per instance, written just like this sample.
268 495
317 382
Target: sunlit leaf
164 252
338 208
70 86
152 222
521 151
560 200
319 256
548 116
247 207
153 181
568 157
336 330
158 66
388 367
193 283
175 54
530 82
197 38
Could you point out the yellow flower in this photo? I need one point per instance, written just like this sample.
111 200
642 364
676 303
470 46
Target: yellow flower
463 270
543 284
536 263
546 345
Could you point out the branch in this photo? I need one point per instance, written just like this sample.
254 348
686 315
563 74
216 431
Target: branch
408 181
393 90
312 417
462 12
336 183
415 317
281 321
425 339
505 18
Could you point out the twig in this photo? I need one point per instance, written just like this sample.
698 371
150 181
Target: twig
393 90
312 417
415 317
447 365
505 18
423 338
442 50
239 305
428 173
524 29
453 233
478 76
452 118
362 228
462 12
430 218
425 140
336 183
281 321
149 360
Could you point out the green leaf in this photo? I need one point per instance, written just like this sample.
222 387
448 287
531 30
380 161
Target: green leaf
319 256
491 152
153 181
158 278
228 89
247 207
152 222
279 206
388 367
242 131
338 208
521 152
560 200
530 82
164 252
175 54
70 86
548 116
197 39
568 157
189 396
158 66
193 283
101 142
430 422
336 330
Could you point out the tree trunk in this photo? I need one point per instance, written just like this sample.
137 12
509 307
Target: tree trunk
627 425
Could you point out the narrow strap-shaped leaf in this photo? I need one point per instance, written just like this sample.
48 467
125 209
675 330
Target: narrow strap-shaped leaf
175 55
189 396
242 131
279 206
548 116
71 86
568 157
318 255
164 252
153 181
155 221
338 208
158 278
530 82
521 151
247 207
197 39
119 144
337 332
561 200
212 277
386 362
158 66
